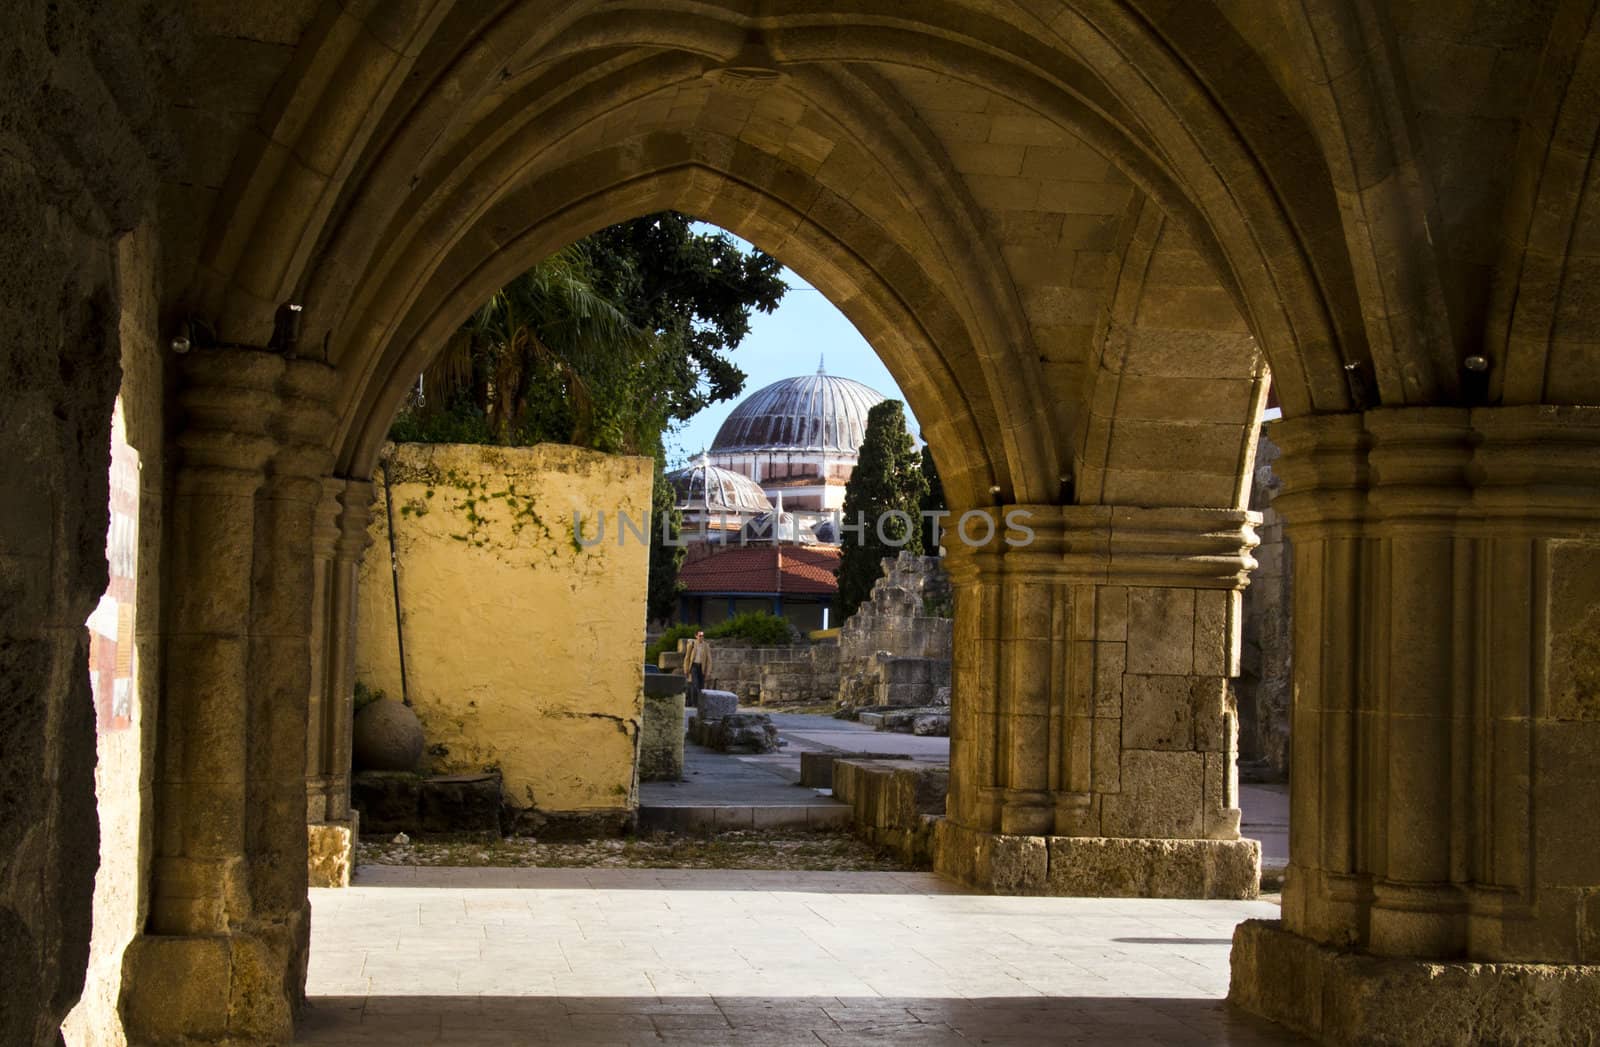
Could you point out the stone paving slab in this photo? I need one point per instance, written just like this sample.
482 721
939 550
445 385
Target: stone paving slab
750 783
622 956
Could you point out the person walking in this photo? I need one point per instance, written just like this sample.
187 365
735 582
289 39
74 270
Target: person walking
697 665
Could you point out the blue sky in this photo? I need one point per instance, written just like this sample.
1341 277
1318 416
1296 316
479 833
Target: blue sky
785 343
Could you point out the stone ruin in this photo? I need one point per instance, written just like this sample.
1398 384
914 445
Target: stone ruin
718 724
890 666
894 652
790 674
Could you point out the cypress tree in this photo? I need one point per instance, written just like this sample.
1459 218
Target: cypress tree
932 502
888 478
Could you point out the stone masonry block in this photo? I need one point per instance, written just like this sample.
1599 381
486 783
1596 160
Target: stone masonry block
1107 755
1156 713
1215 726
1341 997
714 705
1016 864
1220 819
1116 868
1110 663
1215 621
1111 612
1163 794
1161 631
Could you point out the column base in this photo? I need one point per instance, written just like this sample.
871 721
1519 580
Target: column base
1098 866
210 989
331 851
1349 998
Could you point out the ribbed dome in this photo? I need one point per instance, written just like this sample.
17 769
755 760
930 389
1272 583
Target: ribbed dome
729 491
815 412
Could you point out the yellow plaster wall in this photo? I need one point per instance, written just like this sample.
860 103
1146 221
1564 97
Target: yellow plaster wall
521 648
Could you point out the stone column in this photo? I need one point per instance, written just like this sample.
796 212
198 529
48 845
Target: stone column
1444 878
1093 729
341 540
222 957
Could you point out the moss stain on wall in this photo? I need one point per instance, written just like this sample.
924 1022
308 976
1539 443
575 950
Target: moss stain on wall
522 650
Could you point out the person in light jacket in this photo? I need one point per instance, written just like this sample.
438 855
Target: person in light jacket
697 665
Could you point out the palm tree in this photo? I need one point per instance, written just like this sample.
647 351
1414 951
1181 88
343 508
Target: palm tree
548 326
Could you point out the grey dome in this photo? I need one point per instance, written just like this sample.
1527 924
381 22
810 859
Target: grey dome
814 412
775 526
729 491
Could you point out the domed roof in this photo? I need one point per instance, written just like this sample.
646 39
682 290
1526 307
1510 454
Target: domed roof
729 491
814 412
775 526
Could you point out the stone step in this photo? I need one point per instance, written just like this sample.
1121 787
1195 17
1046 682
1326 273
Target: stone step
709 818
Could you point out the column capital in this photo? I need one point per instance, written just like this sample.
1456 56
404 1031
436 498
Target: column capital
1533 469
249 412
355 514
1194 548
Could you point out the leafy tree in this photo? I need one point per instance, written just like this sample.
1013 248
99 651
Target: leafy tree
932 501
696 290
665 557
605 344
887 478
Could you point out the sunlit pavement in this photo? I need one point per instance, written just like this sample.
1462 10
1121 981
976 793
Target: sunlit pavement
623 956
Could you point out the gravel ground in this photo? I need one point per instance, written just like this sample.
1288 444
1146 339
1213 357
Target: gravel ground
755 849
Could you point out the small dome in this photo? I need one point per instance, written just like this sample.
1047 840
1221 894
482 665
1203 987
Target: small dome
814 412
728 491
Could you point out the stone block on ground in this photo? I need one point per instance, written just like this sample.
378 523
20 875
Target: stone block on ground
387 800
398 801
714 705
661 738
816 769
932 725
894 802
742 733
330 853
1106 867
662 685
1342 997
671 661
460 803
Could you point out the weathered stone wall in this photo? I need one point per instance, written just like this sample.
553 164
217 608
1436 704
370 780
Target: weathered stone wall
787 674
521 647
907 618
123 771
1266 668
661 732
79 115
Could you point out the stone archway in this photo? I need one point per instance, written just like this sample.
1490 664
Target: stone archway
1018 201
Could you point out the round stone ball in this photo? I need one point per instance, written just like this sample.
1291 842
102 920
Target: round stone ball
387 737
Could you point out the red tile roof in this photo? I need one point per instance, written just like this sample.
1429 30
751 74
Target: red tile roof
808 570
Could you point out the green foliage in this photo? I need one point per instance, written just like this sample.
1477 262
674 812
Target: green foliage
693 289
932 501
757 627
668 641
665 557
888 477
365 696
604 345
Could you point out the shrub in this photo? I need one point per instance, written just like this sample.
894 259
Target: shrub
758 627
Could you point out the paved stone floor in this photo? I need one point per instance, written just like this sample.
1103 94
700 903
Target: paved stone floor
751 783
487 957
